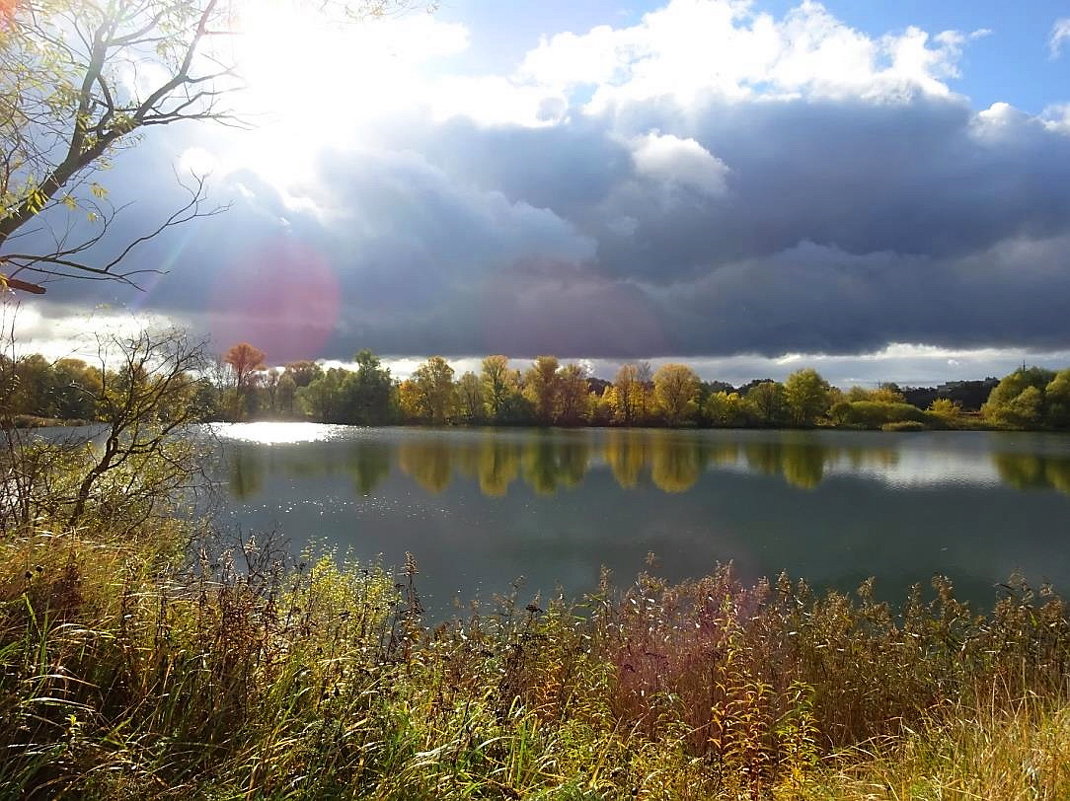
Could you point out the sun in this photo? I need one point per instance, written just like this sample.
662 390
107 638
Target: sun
316 79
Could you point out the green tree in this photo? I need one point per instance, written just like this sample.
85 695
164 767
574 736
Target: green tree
303 373
1018 399
768 403
370 398
726 410
807 396
75 386
324 400
1057 397
32 385
286 394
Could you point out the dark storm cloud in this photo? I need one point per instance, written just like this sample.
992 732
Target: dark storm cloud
842 226
814 299
924 178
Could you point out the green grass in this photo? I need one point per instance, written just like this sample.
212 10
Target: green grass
128 670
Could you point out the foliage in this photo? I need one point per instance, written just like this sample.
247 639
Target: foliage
767 403
1057 399
573 396
547 394
247 362
370 392
133 470
726 410
807 396
1018 400
128 672
630 394
69 104
80 80
874 414
542 389
66 389
676 389
435 395
470 400
946 409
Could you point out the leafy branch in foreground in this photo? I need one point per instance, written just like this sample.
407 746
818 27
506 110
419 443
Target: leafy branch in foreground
78 81
131 469
81 80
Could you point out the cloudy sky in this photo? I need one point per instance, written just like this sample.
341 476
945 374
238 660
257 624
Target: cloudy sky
878 189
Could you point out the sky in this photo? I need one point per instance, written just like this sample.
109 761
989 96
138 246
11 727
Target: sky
877 189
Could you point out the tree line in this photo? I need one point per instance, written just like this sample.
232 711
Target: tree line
241 386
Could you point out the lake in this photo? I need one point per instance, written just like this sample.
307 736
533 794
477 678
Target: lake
482 508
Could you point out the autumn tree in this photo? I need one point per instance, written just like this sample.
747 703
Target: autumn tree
629 394
246 361
436 395
496 377
946 409
470 398
541 388
676 389
573 395
726 410
807 396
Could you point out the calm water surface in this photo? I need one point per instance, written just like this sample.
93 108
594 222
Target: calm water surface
482 508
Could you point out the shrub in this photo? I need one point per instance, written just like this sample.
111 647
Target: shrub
904 425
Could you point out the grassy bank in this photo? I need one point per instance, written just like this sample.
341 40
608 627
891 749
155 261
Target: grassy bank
128 670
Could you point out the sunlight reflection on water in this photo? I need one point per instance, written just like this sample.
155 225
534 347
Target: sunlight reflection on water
267 433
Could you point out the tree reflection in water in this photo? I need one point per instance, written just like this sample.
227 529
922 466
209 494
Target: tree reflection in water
1033 471
246 472
550 461
428 461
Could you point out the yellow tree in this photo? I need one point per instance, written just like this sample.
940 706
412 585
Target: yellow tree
498 384
629 396
807 396
573 395
676 388
541 388
436 393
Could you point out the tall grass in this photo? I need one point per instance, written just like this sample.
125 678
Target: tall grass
130 670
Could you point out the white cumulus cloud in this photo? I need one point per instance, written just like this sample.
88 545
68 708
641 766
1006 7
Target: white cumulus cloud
683 162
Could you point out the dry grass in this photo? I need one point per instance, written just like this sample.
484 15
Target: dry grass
128 670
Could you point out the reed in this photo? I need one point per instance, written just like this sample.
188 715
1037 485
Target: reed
129 669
